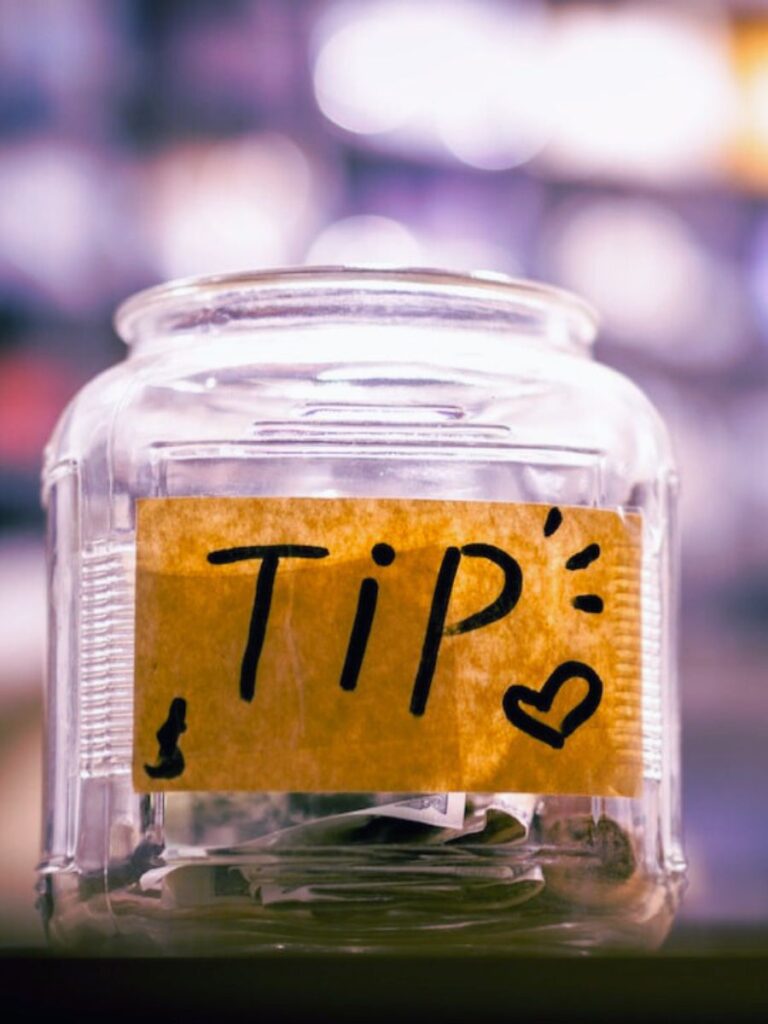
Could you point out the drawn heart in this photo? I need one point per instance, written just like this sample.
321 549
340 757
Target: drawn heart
543 699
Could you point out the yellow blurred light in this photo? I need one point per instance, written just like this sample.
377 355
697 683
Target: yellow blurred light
749 158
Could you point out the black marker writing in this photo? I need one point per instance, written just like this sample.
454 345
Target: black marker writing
270 555
383 555
553 521
170 760
543 699
584 558
436 628
591 603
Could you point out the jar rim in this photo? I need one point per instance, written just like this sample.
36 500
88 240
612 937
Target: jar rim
155 306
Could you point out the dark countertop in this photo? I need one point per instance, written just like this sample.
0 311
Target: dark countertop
718 974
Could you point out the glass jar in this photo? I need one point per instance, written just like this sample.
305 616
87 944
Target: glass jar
490 759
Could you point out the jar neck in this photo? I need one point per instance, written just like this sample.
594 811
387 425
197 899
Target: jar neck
518 311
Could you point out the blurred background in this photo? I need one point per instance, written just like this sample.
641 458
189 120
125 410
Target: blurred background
617 149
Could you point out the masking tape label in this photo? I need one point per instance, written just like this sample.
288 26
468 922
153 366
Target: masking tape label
392 645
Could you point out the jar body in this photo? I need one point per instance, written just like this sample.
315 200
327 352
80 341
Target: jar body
364 405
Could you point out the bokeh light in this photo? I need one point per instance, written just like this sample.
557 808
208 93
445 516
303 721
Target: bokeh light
642 91
228 206
65 192
658 288
467 79
633 92
372 240
365 240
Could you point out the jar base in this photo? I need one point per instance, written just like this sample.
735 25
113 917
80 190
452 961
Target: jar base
246 909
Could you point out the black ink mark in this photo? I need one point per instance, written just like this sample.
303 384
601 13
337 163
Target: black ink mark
226 556
383 554
436 628
553 521
507 599
583 558
543 699
434 632
361 630
270 554
170 760
588 603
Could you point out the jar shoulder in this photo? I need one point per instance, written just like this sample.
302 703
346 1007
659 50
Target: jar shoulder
88 417
526 399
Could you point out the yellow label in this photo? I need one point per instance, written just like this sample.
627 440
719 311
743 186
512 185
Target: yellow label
393 645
